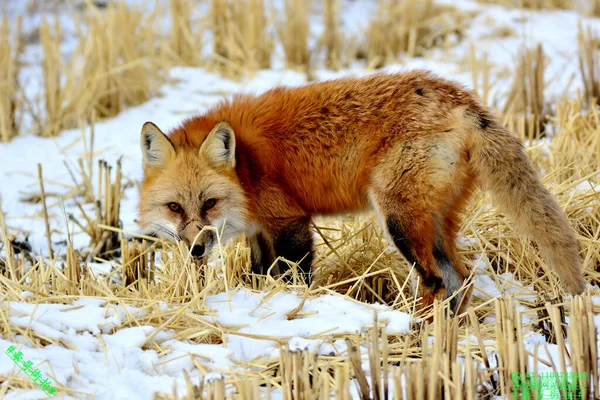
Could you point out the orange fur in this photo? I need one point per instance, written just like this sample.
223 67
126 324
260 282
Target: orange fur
410 145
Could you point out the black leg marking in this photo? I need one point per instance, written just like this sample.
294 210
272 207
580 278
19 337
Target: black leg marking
262 254
294 243
400 239
403 244
452 280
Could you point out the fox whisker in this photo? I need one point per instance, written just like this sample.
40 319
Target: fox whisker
157 229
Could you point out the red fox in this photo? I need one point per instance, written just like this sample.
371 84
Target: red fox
411 146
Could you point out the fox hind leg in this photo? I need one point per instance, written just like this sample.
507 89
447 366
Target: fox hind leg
410 190
451 267
414 237
416 234
450 233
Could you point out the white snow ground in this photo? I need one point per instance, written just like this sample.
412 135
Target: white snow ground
119 368
112 365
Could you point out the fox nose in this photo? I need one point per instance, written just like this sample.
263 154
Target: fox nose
197 251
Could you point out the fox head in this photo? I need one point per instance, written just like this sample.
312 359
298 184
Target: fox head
191 194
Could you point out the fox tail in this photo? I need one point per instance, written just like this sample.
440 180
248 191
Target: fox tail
499 161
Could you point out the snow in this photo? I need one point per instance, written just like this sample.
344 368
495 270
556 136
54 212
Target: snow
100 355
114 363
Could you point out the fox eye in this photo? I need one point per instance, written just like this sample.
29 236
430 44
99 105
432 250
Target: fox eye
175 207
208 204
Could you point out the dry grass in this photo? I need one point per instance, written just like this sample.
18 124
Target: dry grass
533 4
293 31
10 49
480 73
526 95
121 58
589 62
332 37
241 41
115 65
585 7
409 27
430 367
186 37
340 45
58 117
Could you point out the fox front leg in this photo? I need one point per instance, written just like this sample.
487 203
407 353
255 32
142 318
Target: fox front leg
288 241
262 253
293 242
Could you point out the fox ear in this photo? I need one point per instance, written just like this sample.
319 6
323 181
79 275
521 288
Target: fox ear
219 145
157 149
